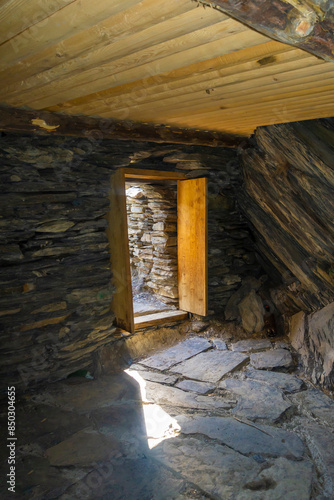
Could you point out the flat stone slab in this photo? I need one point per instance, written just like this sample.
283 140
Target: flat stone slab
285 382
156 376
83 448
180 352
251 345
194 386
171 396
215 469
256 401
211 366
246 439
271 360
99 393
284 479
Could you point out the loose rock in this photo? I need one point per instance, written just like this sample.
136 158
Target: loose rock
271 360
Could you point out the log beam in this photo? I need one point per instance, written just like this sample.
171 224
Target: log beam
46 123
307 24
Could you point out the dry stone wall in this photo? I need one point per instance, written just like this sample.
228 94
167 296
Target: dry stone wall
55 277
312 337
152 220
288 197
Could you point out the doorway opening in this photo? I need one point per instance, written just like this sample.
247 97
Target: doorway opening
152 232
157 249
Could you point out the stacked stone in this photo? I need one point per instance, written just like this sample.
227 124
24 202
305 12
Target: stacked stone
56 284
288 197
162 202
55 278
152 240
140 224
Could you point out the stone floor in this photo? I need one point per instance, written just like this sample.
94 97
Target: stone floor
205 419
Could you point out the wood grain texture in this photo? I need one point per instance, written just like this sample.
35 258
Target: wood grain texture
159 318
94 130
174 63
135 173
122 305
308 25
192 245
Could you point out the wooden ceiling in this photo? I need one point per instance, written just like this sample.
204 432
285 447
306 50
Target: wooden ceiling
155 61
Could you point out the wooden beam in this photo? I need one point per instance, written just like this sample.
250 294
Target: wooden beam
307 24
160 175
95 129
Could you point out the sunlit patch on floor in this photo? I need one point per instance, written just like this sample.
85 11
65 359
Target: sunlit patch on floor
159 424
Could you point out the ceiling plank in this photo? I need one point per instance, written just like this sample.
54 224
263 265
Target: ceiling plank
181 77
113 29
94 130
217 91
72 19
163 88
18 15
159 39
281 111
175 53
305 24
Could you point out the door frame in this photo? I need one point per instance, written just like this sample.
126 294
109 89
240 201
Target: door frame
118 232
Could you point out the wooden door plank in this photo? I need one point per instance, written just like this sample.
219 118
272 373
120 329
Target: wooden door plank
122 304
192 240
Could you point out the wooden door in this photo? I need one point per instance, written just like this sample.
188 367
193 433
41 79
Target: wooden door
192 230
122 305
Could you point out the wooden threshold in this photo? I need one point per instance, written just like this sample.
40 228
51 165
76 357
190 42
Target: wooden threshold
158 318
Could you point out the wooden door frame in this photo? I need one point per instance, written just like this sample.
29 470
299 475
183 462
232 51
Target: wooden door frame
133 175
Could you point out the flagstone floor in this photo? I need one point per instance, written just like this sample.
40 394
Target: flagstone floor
205 419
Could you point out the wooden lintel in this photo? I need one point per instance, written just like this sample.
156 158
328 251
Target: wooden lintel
308 25
95 129
160 175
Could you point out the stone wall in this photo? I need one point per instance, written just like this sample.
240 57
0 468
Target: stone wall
55 277
287 196
152 220
312 337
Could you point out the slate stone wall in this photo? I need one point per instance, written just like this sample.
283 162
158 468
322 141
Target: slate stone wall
152 228
312 337
55 278
287 196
